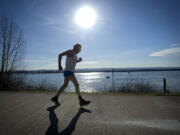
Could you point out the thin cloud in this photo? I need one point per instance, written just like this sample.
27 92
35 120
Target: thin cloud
37 64
175 45
90 62
53 21
167 52
58 25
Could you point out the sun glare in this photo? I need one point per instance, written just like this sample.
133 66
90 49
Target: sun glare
85 17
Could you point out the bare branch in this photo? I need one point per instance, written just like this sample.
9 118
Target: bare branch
11 45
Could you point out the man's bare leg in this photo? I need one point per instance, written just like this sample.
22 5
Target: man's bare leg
55 98
76 85
64 86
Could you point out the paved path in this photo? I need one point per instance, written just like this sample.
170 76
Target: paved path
32 113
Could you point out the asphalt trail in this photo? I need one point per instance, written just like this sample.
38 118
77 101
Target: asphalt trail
32 113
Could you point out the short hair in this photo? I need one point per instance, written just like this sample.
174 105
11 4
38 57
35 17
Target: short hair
77 45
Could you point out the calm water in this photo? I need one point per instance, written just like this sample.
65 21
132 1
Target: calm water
98 81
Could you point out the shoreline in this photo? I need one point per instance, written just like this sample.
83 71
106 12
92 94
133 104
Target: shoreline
99 70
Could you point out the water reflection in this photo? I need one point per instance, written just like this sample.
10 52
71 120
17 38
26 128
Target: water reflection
90 75
89 81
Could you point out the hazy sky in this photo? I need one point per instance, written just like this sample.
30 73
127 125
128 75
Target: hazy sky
127 33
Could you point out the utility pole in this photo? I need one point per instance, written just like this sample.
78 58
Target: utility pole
113 79
164 82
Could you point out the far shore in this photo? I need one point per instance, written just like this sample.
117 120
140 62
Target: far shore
144 69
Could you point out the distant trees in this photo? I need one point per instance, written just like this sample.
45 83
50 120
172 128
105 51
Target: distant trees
12 45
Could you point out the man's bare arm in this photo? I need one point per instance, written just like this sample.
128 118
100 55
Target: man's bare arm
68 52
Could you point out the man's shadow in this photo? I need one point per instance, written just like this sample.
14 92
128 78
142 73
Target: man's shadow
53 128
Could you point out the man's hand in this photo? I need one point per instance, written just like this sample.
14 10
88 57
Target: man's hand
60 68
79 60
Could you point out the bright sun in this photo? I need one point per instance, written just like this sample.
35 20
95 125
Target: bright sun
85 17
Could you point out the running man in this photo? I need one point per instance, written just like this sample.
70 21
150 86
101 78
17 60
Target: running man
71 60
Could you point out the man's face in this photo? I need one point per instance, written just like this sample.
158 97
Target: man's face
77 49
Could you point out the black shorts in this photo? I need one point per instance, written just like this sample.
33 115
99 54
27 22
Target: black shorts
68 73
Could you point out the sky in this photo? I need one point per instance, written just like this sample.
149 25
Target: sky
126 33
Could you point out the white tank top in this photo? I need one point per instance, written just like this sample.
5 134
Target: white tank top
71 63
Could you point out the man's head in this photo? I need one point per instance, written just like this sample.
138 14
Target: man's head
77 48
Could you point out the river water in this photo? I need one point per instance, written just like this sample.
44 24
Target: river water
103 81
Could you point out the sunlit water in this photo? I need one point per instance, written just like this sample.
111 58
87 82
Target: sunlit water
99 81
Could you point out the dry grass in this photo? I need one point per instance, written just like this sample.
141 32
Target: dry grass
128 86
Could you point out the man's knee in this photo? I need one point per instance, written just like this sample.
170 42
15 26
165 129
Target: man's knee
75 82
66 81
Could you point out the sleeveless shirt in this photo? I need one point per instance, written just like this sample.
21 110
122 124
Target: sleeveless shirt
71 63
